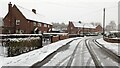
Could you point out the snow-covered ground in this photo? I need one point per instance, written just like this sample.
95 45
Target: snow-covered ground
32 57
112 46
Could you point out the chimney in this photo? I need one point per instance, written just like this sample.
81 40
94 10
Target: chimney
9 7
70 21
34 11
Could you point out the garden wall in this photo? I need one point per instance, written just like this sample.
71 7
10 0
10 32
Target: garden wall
64 37
59 37
112 40
55 39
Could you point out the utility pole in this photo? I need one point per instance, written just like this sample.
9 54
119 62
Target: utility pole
103 22
83 30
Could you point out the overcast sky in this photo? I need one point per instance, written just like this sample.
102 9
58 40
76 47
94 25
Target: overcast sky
68 10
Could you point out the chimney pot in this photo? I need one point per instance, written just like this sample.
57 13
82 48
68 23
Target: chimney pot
9 2
33 10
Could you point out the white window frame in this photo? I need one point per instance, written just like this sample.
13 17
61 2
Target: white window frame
17 22
45 25
17 31
34 23
9 31
48 26
39 24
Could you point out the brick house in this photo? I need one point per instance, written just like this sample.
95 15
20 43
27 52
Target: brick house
80 28
21 20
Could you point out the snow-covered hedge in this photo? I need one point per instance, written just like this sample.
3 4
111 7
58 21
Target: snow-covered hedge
17 46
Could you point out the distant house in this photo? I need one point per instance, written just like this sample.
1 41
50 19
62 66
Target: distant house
80 28
21 20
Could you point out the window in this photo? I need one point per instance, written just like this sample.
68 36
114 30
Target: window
9 31
39 24
17 31
40 32
45 25
34 23
17 22
48 26
28 21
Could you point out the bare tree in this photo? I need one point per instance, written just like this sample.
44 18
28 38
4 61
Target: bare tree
92 23
111 26
108 28
96 23
59 26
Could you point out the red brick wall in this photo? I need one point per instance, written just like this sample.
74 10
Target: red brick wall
55 38
60 37
63 37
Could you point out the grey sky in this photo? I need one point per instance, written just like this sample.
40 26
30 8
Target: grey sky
67 10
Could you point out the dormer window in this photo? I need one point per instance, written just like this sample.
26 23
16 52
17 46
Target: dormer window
17 22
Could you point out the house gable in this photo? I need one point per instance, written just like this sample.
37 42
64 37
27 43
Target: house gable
21 19
99 28
71 28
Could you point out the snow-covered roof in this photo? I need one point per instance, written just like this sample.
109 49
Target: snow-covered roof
76 24
85 25
114 31
32 16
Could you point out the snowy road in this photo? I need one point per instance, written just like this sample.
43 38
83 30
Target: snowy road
82 52
103 57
